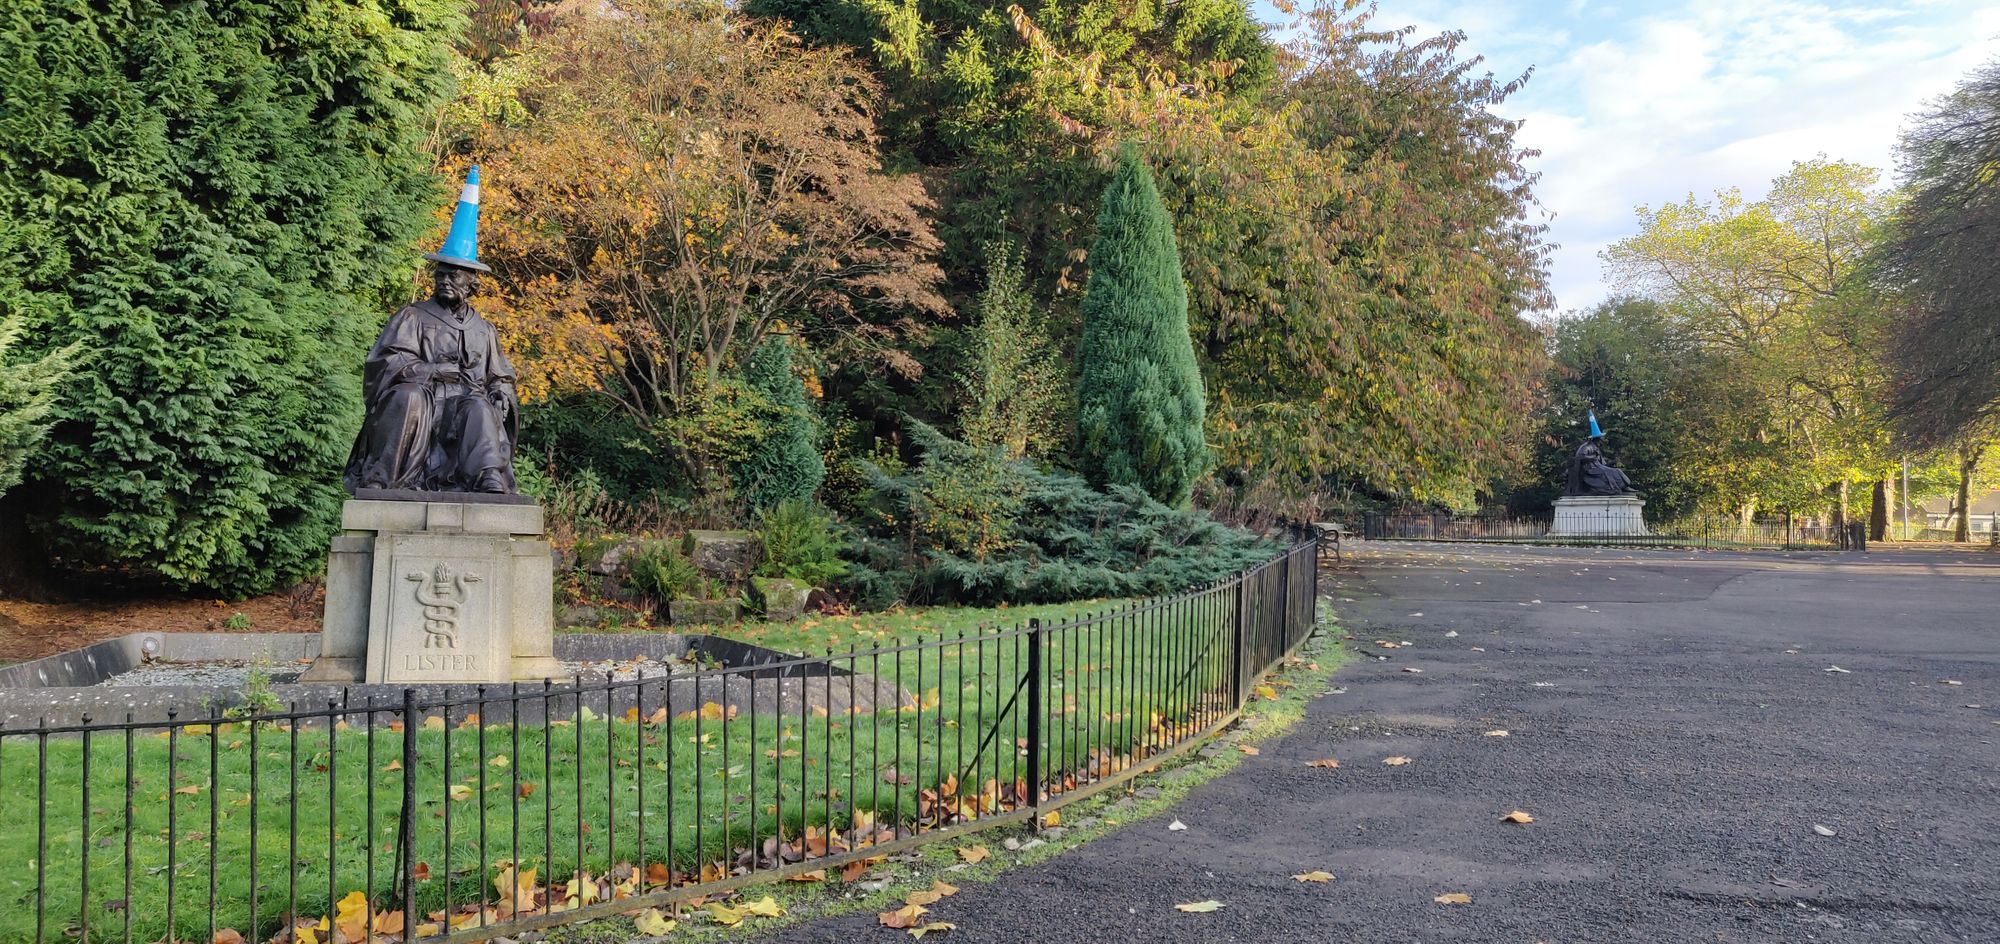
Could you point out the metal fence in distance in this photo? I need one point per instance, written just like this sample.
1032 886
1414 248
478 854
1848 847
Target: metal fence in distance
530 805
1712 531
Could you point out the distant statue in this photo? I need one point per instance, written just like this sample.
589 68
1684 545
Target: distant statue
1589 474
442 413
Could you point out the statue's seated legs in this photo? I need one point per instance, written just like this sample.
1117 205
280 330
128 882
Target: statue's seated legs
399 428
476 456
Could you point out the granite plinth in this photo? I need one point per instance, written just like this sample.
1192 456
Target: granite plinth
438 592
1584 516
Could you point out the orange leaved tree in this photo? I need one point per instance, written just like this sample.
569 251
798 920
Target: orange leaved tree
668 183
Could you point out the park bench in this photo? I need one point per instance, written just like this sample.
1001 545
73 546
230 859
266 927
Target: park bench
1331 533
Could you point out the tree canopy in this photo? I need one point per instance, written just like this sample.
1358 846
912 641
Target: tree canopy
1940 260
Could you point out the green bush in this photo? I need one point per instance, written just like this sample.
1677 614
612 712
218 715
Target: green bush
801 542
785 464
218 201
664 571
27 394
1065 540
1012 387
1139 399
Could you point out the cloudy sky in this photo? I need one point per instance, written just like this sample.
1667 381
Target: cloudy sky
1644 101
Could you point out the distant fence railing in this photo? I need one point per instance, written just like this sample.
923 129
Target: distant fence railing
524 806
1719 531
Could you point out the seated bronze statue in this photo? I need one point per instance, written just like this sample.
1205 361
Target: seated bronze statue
442 411
1589 474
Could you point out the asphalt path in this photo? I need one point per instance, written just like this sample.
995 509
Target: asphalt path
1675 728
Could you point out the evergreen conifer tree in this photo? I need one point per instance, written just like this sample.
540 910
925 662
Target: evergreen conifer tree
1140 404
785 463
218 201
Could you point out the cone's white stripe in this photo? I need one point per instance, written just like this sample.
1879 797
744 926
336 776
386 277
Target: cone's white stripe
469 195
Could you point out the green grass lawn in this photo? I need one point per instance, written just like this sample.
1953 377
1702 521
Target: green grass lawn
324 816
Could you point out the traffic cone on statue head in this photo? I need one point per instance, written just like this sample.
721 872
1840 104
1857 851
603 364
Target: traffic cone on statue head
461 245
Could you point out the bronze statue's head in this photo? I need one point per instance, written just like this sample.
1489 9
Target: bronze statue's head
452 285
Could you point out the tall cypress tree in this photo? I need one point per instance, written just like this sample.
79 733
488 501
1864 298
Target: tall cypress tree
786 462
1140 404
218 201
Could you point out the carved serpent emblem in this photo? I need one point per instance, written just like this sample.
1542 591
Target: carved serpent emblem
442 593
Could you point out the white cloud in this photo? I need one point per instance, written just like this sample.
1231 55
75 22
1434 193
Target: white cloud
1701 95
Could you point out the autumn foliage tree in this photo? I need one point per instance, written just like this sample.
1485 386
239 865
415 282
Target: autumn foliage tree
670 184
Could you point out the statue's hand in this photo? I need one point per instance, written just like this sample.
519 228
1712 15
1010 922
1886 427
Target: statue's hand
447 375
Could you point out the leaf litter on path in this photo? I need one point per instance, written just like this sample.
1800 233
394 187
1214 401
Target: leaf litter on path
1316 876
1200 907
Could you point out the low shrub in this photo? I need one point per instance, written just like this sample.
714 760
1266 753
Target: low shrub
663 571
802 542
1029 535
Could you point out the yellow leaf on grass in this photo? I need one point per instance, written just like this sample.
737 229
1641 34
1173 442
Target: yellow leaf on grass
1247 749
652 924
1394 761
1053 819
765 907
188 790
904 917
1267 692
499 760
460 791
724 915
1326 762
434 723
1200 907
973 855
228 936
919 931
1315 876
1517 817
1453 898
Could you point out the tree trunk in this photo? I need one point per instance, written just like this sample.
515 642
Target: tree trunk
1878 510
1968 460
1840 505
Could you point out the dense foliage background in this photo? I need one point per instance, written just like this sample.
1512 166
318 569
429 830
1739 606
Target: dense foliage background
215 201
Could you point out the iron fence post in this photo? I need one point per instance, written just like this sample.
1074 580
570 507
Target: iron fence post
406 842
1237 690
1035 712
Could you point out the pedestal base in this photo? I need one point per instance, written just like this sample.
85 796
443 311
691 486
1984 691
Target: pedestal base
1583 516
426 592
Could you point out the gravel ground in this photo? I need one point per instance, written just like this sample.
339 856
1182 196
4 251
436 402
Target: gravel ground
232 674
1696 768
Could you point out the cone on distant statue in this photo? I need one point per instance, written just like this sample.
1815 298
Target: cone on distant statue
1595 433
461 245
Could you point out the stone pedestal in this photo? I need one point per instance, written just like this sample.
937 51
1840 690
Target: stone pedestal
1583 516
438 592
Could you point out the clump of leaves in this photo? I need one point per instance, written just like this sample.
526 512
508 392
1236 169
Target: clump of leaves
802 541
236 622
663 571
257 698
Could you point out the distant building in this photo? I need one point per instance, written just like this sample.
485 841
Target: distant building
1936 513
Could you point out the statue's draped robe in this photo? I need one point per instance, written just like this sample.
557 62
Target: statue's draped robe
426 429
1589 474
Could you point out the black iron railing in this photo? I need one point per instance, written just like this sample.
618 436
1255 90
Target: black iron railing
523 806
1612 528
